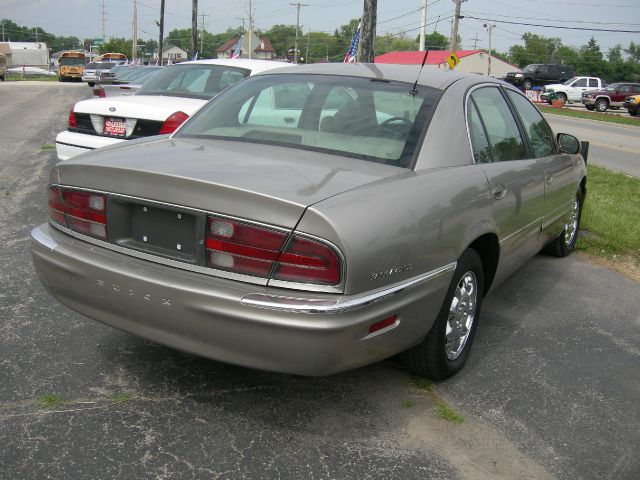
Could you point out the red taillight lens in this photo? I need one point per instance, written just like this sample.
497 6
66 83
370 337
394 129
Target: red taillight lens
308 261
99 91
56 208
242 248
73 123
173 122
83 212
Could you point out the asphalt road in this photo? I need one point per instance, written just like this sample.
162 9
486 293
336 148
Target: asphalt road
550 391
613 146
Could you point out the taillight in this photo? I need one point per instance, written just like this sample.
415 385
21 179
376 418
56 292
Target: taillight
242 248
308 261
173 122
82 212
254 250
98 91
72 120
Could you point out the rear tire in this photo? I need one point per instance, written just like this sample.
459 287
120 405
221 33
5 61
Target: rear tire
446 347
565 243
527 84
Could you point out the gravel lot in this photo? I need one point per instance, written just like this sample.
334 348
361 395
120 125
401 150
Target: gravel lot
551 389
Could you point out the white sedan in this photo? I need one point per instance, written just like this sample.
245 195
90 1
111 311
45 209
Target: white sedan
158 108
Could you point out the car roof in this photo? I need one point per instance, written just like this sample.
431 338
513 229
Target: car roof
250 64
431 76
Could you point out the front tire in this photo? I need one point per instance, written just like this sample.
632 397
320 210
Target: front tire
601 105
446 347
527 84
562 97
565 243
590 107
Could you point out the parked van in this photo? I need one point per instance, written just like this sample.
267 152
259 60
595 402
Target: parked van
3 66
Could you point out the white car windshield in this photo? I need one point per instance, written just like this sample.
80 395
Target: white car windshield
374 120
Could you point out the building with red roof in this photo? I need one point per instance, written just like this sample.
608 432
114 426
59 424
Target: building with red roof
471 61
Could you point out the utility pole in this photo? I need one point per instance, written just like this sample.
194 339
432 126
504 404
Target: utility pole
489 27
104 22
202 32
295 47
250 53
161 25
3 31
475 42
423 24
194 26
306 55
241 18
134 33
36 30
368 31
453 45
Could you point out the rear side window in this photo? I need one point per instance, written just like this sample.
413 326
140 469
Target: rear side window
539 132
479 141
593 82
504 138
635 89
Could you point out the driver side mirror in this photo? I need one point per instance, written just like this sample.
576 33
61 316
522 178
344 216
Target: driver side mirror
568 143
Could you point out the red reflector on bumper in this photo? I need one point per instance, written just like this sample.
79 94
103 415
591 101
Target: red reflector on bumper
387 322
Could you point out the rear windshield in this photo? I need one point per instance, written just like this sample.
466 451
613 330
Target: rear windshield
194 80
364 118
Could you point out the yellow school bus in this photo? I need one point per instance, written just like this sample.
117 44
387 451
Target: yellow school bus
71 65
111 57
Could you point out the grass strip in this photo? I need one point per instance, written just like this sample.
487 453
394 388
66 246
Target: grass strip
602 117
610 218
443 410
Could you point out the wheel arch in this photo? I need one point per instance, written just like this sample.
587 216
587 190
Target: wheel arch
488 249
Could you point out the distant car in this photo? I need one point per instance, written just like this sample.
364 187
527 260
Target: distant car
572 89
92 71
632 104
612 96
126 83
540 74
31 71
158 108
314 219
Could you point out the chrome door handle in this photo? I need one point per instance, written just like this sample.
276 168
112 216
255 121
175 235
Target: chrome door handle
499 192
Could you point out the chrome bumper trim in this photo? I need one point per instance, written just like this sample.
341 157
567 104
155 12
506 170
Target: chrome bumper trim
39 236
325 306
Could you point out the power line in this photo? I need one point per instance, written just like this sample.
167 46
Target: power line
554 26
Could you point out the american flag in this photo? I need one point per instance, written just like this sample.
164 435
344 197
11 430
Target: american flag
236 52
353 49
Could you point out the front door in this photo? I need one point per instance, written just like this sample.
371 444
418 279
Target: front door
516 180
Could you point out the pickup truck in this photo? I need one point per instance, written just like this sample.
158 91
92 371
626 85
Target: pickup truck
612 96
540 74
572 89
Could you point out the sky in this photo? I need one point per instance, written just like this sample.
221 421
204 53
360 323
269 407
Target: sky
83 18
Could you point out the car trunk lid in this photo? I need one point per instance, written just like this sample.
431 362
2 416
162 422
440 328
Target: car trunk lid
263 183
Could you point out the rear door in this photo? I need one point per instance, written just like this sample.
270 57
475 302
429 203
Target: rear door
516 181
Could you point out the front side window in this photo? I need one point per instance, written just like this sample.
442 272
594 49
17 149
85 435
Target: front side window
380 121
504 138
581 83
539 132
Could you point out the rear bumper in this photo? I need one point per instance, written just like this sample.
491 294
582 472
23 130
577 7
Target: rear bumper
70 144
253 326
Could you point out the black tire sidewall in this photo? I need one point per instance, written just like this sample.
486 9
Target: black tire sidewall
440 367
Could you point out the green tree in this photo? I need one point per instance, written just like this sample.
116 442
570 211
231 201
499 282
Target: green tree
283 37
391 43
536 49
117 45
633 51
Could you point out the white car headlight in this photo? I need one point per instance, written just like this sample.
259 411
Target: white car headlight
519 75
